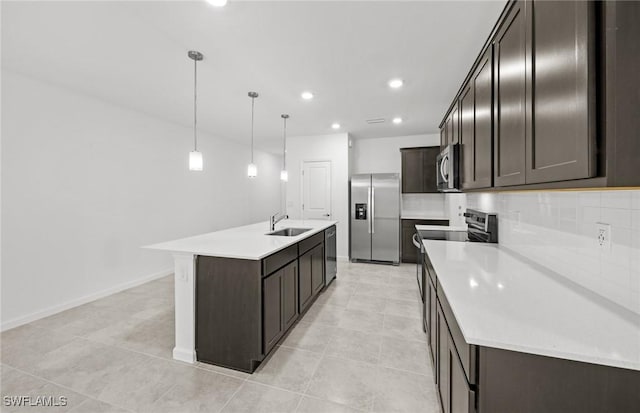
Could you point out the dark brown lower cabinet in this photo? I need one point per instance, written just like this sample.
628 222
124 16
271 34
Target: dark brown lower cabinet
311 275
430 307
481 379
279 304
244 307
410 252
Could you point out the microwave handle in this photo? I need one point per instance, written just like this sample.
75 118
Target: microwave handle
442 164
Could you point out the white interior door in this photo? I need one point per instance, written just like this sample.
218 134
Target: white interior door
316 190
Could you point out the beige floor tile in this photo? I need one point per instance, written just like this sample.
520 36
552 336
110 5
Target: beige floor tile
310 337
289 369
313 405
27 345
404 308
361 321
403 327
355 345
16 384
348 382
323 314
405 355
222 370
367 303
96 406
202 391
404 392
257 398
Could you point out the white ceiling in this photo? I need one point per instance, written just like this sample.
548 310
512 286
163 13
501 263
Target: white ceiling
135 54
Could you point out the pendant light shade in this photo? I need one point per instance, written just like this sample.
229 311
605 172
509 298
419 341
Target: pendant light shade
195 158
284 175
195 161
252 169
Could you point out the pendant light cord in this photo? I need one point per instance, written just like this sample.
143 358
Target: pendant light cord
195 105
284 146
253 99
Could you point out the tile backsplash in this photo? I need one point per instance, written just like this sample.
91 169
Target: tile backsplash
423 205
559 230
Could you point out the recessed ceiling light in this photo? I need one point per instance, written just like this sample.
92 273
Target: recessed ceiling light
217 3
397 121
307 95
395 83
335 126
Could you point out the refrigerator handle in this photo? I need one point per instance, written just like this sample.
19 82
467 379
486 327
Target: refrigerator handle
373 209
370 210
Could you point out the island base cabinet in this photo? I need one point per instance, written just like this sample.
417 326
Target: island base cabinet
311 275
280 304
272 314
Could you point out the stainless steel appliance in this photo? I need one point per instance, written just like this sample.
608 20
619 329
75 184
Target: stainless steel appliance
375 218
330 254
481 227
447 169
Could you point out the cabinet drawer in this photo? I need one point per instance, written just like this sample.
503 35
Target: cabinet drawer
306 244
278 260
466 352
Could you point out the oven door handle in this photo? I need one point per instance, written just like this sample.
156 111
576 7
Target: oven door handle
415 241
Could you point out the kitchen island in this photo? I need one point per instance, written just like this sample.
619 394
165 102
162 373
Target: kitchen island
238 290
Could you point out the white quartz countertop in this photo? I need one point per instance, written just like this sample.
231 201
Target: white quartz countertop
249 242
440 228
502 300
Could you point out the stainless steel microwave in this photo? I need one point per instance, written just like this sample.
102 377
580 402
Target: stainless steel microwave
447 167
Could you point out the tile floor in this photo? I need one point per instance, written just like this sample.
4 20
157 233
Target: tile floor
360 347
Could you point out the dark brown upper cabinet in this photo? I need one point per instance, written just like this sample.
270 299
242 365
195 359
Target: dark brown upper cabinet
476 126
419 170
560 100
510 98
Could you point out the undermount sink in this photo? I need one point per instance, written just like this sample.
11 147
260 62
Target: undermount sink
289 232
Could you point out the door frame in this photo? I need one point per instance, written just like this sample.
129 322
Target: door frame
302 163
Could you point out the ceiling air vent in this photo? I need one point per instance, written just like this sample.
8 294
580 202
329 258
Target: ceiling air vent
377 120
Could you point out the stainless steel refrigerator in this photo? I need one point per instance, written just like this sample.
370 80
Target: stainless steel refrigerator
375 218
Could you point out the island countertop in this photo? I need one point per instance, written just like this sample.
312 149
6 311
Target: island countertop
501 300
249 242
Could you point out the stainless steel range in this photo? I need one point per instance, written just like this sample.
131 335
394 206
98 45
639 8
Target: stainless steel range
481 227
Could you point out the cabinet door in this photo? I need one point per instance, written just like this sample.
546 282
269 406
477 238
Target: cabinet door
409 251
509 118
461 397
317 269
442 360
289 294
476 126
412 171
452 125
431 303
272 327
305 285
443 136
561 87
430 179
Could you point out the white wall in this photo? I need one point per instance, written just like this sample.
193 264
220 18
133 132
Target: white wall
85 184
383 154
334 148
558 230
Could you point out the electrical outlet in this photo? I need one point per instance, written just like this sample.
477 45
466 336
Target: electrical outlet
603 233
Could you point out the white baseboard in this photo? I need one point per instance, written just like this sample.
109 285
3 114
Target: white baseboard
188 356
16 322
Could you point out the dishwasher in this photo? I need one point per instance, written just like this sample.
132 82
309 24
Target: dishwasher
330 255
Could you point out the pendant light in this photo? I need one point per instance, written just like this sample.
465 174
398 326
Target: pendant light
284 175
252 169
195 157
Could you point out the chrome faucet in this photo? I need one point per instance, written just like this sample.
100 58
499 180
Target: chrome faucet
275 219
